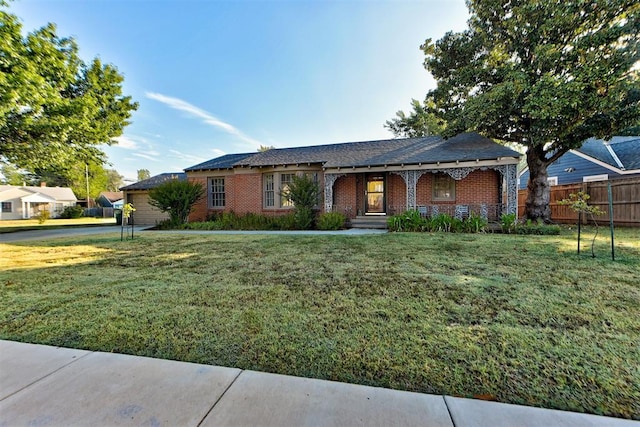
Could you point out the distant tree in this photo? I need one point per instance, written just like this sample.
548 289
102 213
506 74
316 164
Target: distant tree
176 198
74 176
55 108
544 74
11 175
143 174
265 148
114 180
422 121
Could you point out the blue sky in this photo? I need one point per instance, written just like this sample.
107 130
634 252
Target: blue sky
217 77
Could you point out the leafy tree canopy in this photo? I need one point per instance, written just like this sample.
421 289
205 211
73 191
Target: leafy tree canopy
54 108
74 175
544 74
143 174
422 121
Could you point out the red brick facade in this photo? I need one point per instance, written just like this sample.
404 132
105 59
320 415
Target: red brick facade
244 192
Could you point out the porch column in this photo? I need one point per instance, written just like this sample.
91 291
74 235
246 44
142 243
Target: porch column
511 177
329 180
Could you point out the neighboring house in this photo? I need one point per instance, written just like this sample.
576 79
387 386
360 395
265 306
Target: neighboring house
138 195
110 199
464 174
23 202
596 160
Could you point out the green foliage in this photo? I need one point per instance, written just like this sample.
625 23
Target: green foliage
176 198
422 121
72 212
474 224
54 107
143 174
43 216
537 228
11 175
248 221
412 221
508 223
331 221
548 75
303 191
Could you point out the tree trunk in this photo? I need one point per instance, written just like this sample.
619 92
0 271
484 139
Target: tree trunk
537 205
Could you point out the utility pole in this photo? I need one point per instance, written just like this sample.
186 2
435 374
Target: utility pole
86 175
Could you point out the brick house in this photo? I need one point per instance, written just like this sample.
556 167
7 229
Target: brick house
464 174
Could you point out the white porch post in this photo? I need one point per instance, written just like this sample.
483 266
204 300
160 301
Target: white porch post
329 180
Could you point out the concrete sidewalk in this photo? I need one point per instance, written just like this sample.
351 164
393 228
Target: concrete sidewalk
42 385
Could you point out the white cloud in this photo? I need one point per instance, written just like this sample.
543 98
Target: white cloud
126 143
187 157
149 156
217 152
206 117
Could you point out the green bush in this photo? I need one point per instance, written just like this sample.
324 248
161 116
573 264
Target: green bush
72 212
410 220
538 228
508 223
42 216
176 198
303 191
474 224
331 221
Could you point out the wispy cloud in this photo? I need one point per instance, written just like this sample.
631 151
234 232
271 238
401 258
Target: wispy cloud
206 117
187 157
146 156
126 142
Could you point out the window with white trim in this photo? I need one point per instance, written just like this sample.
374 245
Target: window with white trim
217 193
285 180
444 187
552 180
269 191
592 178
6 207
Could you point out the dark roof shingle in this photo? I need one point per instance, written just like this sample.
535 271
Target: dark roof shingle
154 181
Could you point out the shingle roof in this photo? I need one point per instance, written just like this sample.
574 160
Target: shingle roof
112 196
57 193
626 148
431 149
154 181
223 162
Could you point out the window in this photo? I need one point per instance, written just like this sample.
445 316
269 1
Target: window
285 180
6 207
552 180
269 191
444 187
217 192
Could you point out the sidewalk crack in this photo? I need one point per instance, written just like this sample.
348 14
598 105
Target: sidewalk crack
220 398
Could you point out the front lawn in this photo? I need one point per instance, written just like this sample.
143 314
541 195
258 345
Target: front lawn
10 226
519 319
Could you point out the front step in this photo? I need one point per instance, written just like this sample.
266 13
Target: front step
373 221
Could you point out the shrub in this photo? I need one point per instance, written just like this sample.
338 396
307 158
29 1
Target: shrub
410 220
474 224
303 191
42 216
176 198
538 228
72 212
331 221
508 223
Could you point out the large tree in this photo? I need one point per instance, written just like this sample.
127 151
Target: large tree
420 122
55 108
545 74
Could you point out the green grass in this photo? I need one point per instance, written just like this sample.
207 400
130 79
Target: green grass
10 226
519 319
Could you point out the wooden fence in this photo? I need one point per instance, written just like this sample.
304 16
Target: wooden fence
625 194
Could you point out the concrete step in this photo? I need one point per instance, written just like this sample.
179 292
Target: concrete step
373 221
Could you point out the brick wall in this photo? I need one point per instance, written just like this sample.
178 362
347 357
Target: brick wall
199 211
478 187
344 195
396 194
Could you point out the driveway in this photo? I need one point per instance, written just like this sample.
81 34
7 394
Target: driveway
21 236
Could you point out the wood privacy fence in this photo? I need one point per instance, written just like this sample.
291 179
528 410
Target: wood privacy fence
625 194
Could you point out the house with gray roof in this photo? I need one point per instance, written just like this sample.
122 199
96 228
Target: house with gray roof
461 175
138 195
595 160
24 202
